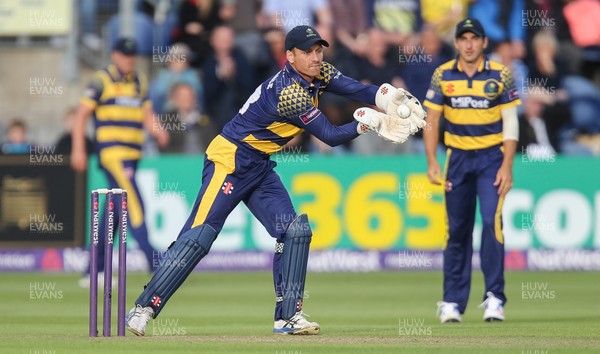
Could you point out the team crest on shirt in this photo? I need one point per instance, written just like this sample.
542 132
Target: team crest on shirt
491 88
227 188
450 88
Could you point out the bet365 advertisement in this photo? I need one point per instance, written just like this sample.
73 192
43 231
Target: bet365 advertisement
382 203
367 213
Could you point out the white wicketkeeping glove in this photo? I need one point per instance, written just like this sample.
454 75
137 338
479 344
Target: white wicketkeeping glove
388 98
390 128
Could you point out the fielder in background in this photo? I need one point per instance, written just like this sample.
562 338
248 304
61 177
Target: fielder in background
478 99
117 97
237 167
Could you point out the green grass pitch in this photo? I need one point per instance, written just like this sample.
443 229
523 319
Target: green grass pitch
388 312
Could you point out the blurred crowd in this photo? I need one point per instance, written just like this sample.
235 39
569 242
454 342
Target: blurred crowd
213 53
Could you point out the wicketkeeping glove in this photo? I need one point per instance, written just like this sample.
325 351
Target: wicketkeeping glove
388 98
393 129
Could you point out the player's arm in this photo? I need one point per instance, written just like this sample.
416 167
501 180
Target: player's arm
315 122
434 103
87 105
341 85
510 135
78 152
295 105
431 139
386 96
509 100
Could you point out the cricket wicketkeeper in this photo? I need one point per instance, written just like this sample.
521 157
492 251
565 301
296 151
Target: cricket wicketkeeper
237 168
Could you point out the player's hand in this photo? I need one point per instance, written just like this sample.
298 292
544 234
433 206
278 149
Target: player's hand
78 160
390 128
163 138
434 172
388 98
504 179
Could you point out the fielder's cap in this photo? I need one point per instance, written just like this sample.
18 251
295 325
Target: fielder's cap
469 25
126 46
303 37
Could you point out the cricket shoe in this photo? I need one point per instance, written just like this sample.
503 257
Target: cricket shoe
448 312
296 325
494 311
137 319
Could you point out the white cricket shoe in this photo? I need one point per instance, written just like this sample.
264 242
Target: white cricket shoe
494 311
296 325
137 319
448 312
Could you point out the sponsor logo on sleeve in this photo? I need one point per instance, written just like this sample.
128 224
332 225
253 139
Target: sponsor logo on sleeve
310 115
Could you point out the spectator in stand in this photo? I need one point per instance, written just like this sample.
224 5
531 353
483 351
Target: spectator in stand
275 38
191 131
16 141
442 16
583 19
546 73
228 78
288 14
197 19
548 14
418 69
164 14
178 70
503 54
379 64
584 102
503 21
65 142
89 13
556 118
546 68
338 56
535 140
350 26
400 20
377 68
337 109
247 23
